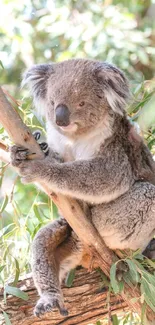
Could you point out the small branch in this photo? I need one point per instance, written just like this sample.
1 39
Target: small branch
4 156
3 146
72 212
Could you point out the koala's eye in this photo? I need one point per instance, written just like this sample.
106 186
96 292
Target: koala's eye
81 103
52 102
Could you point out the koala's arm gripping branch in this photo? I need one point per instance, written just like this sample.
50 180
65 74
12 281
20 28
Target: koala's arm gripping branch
21 135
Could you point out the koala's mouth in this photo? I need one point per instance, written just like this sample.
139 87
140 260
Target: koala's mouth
72 127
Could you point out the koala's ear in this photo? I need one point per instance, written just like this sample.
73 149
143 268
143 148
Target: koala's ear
115 86
36 78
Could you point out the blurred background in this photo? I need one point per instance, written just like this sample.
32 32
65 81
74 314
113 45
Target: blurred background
39 31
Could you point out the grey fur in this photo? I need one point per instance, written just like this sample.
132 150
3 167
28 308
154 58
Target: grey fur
99 160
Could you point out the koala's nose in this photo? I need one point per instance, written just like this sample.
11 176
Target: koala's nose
62 114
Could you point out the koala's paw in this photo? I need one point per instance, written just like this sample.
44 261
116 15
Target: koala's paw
28 169
122 268
48 303
18 154
150 250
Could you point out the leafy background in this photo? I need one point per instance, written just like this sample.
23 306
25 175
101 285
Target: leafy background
36 31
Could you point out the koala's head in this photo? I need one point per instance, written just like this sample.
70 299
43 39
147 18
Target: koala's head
76 95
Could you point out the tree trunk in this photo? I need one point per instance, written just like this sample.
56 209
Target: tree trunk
87 302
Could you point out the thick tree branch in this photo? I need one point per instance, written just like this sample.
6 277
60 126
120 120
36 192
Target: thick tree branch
21 135
85 300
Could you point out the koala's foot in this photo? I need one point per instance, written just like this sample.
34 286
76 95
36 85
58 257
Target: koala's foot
122 268
150 250
50 302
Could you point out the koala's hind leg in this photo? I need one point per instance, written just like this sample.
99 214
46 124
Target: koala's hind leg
55 251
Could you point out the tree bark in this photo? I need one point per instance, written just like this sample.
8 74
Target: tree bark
85 300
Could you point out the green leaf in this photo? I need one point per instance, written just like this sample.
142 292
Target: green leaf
149 293
114 282
17 273
115 320
149 303
133 271
6 317
151 143
150 278
150 262
16 292
121 286
98 322
70 278
4 204
37 212
127 278
143 314
1 64
5 230
138 256
2 267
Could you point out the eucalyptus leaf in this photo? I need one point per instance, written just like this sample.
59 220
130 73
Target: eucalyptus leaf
2 267
37 213
150 262
115 320
143 314
4 204
17 273
1 64
6 317
70 278
113 280
16 292
149 293
133 271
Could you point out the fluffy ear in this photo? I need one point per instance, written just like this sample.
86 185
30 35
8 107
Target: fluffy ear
115 86
36 79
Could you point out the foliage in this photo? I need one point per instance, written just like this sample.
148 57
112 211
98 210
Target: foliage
141 271
38 31
120 32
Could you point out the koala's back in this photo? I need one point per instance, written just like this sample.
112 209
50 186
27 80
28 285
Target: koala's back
140 158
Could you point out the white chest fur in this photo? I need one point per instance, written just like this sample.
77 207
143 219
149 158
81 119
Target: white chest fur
83 148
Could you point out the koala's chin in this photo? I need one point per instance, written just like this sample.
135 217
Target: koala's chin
71 128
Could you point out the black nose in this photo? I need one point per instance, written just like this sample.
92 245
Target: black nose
62 115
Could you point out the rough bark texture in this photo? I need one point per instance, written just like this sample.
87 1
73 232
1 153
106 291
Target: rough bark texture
85 300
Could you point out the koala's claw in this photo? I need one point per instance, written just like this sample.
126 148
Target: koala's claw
37 135
48 304
43 145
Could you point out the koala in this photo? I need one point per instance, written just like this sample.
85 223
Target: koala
95 156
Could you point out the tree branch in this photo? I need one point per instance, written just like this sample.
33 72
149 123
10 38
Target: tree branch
21 135
85 300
